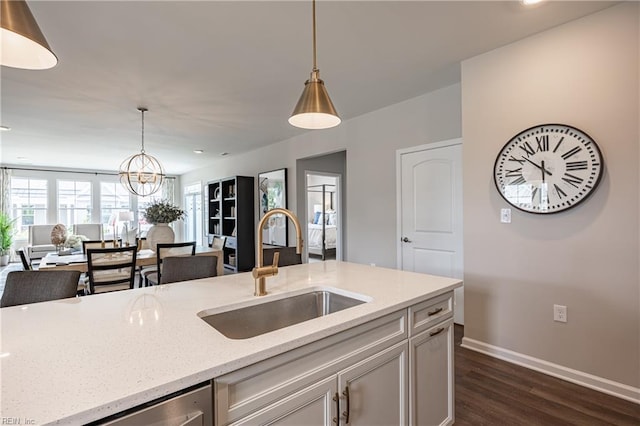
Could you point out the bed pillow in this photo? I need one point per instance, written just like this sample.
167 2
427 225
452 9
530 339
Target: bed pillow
316 218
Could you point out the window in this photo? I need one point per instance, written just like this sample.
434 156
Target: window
74 202
28 204
143 225
113 198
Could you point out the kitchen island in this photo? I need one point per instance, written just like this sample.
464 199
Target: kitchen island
79 360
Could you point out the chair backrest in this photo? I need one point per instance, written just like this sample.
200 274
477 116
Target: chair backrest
96 244
185 268
111 268
26 261
93 231
288 256
24 287
172 249
218 242
141 243
40 234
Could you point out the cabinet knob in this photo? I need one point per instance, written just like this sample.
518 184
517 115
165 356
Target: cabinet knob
406 240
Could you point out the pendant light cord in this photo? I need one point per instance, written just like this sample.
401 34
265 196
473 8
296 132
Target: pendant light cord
315 66
142 110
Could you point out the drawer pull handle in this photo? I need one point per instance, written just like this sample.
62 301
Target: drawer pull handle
345 392
435 311
336 398
438 331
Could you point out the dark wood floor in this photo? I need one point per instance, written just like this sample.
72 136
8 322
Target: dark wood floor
494 392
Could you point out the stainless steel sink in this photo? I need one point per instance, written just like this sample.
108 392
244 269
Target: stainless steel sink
254 320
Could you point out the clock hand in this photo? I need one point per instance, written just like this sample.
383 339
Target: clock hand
538 166
542 169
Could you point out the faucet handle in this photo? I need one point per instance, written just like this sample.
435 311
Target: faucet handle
276 259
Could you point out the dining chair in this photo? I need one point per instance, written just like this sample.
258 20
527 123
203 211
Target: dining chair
93 244
22 287
111 269
288 256
164 250
25 259
185 268
93 231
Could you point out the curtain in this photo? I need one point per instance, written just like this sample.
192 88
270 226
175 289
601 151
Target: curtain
168 190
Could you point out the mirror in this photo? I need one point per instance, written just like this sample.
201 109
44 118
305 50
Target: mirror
272 193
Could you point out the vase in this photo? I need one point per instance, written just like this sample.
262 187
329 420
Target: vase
159 233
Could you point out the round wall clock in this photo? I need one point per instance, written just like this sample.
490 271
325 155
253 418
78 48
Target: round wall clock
548 168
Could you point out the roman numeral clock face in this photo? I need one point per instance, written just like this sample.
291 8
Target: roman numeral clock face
548 168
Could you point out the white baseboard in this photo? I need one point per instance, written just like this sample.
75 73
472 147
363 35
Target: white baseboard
600 384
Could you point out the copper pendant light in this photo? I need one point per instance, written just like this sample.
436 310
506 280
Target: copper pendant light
314 110
22 44
141 173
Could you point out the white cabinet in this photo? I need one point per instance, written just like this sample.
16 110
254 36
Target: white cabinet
431 381
374 391
394 370
431 374
314 405
371 392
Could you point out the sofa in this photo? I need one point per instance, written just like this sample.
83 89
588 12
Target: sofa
40 241
40 237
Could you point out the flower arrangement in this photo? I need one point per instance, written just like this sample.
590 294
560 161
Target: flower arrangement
162 211
7 231
75 241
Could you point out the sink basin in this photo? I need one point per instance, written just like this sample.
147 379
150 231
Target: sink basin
254 320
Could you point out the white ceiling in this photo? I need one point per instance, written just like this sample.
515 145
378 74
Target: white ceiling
224 76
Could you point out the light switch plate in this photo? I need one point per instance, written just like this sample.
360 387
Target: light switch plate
505 215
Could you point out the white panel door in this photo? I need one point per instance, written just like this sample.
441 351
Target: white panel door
431 213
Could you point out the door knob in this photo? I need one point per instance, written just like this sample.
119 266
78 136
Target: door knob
406 240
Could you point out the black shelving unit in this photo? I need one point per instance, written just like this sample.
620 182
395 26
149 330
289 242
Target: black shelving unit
231 214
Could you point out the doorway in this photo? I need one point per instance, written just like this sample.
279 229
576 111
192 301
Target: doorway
323 216
430 212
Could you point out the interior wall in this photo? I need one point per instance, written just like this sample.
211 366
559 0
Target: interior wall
371 141
584 73
335 163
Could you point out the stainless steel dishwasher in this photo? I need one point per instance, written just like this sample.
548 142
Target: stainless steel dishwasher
193 407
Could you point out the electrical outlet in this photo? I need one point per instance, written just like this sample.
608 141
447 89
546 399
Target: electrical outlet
560 313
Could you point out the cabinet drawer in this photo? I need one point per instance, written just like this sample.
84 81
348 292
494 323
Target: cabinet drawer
428 313
251 388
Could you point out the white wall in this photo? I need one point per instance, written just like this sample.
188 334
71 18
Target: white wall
371 141
584 73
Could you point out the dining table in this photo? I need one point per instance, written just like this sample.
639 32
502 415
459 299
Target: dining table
146 257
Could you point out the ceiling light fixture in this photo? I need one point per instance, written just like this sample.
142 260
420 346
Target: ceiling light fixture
22 43
314 109
141 173
198 151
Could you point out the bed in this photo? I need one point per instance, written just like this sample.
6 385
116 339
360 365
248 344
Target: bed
315 239
322 228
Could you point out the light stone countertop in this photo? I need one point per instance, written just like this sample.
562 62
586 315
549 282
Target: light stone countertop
78 360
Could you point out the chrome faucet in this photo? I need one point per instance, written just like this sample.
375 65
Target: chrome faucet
261 272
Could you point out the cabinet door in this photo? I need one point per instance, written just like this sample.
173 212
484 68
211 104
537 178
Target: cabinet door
315 405
374 391
431 376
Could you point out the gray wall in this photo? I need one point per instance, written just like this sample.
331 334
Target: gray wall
585 74
371 141
335 163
